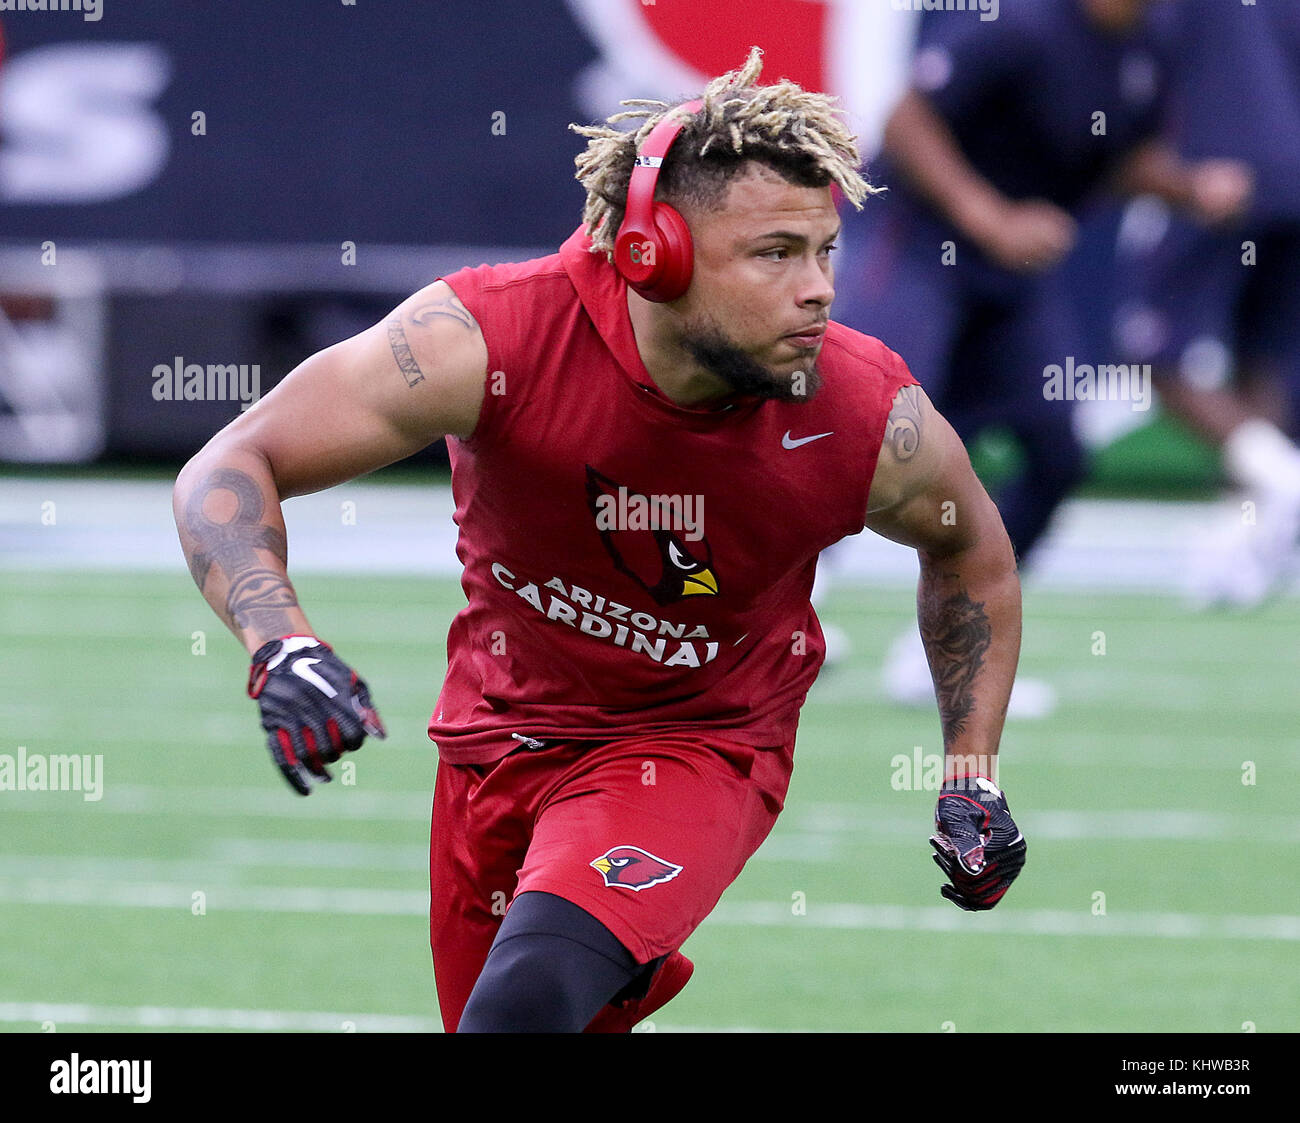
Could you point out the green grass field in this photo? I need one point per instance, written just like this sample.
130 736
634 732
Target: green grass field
309 913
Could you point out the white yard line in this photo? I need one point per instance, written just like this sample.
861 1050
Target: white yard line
1030 922
802 831
61 1014
749 914
1100 545
58 1015
1063 825
813 819
152 799
233 898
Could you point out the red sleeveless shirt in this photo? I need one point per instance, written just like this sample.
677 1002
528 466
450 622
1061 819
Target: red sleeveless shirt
633 566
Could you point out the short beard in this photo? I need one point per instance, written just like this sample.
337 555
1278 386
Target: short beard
717 354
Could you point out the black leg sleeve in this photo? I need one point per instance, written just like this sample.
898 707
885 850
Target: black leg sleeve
551 968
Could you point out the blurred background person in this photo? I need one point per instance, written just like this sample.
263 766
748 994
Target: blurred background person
1216 309
1010 127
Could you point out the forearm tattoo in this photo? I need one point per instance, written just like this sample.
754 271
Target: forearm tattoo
957 637
259 596
903 428
449 307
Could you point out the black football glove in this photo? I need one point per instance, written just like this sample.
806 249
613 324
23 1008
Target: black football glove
977 844
314 708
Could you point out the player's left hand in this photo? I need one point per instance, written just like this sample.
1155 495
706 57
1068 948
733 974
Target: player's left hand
977 844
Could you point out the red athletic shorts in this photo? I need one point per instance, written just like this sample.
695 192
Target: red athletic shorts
644 833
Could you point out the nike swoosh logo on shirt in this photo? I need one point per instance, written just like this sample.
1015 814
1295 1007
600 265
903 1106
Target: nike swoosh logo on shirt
790 442
303 669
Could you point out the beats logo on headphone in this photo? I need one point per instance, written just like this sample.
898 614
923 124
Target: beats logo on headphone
653 251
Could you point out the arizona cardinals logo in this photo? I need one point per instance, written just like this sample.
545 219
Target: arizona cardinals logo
630 867
654 550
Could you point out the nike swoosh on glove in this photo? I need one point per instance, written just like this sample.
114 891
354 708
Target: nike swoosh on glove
314 707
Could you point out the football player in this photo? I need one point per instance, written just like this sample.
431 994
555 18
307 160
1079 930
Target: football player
653 434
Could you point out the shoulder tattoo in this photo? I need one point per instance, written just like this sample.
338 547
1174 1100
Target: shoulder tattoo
903 429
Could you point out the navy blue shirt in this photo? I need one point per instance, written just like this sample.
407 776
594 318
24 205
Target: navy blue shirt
1237 92
1020 93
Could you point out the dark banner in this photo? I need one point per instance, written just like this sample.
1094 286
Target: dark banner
295 121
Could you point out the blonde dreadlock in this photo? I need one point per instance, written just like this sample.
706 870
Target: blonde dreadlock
800 133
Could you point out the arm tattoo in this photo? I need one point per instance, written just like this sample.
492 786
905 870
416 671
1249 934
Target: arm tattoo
448 306
258 596
903 429
402 353
957 636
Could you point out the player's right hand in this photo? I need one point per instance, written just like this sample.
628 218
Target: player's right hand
314 707
1025 236
1221 190
976 843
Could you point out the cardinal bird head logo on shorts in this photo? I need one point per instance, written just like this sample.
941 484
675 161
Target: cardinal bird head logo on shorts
630 867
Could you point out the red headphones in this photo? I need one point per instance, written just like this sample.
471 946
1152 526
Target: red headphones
653 251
